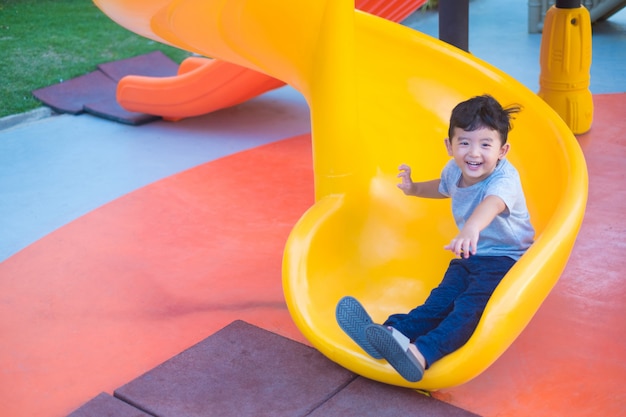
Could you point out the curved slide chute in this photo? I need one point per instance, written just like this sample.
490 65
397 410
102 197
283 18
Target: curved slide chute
380 94
204 85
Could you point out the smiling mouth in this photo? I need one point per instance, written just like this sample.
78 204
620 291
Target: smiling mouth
473 164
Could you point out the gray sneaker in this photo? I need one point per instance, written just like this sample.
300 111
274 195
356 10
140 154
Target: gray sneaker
397 354
353 319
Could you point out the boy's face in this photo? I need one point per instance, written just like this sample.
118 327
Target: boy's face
476 152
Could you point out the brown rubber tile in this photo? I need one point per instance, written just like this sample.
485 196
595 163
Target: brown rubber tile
153 64
70 96
94 93
110 109
105 405
365 397
241 370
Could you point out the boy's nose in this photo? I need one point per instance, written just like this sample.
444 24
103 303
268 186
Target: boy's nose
474 150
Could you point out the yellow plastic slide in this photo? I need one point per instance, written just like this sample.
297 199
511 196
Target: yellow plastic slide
380 95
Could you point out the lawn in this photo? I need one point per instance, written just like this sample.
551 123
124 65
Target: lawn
43 42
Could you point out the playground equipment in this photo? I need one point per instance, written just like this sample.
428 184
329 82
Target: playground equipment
598 10
380 94
204 85
565 59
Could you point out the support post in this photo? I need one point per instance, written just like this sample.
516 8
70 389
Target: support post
565 61
454 23
567 4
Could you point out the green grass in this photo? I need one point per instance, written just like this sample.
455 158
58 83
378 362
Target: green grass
431 5
43 42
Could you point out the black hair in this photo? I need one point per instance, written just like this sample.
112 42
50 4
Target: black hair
482 111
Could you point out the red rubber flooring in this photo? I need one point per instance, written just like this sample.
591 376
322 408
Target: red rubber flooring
122 289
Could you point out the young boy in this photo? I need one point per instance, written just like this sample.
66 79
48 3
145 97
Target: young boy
490 211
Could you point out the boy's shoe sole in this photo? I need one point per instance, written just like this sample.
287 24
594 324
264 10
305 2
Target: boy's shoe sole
402 360
353 319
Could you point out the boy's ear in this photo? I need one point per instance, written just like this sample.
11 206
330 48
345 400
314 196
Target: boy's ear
504 150
448 146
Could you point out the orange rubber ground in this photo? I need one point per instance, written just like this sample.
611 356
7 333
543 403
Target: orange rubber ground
109 296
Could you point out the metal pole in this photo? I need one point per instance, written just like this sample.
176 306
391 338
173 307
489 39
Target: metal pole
454 23
567 4
606 9
534 16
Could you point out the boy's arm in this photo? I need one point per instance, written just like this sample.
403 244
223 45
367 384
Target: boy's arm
467 239
425 189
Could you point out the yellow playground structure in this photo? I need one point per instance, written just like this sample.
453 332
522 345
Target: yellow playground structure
380 94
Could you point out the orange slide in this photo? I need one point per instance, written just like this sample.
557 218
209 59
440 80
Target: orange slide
204 85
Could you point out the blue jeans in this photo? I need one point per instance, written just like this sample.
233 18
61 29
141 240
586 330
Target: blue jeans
452 311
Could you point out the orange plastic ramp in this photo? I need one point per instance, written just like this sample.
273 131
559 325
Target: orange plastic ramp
209 86
216 84
380 94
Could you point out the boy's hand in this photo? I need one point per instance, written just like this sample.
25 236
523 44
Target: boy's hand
407 183
465 243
